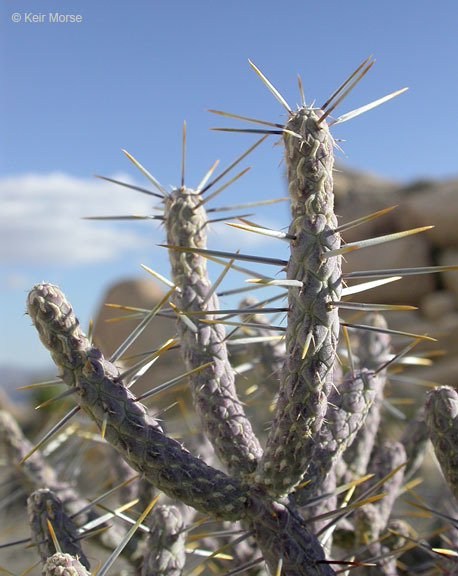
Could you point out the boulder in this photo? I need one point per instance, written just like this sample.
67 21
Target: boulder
142 293
434 204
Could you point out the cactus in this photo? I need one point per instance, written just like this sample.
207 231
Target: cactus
442 420
327 429
60 564
52 530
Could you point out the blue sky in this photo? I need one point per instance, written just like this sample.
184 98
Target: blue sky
130 73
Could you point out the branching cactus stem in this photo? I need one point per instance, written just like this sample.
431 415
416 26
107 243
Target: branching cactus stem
313 325
213 388
46 514
442 420
136 435
163 461
60 564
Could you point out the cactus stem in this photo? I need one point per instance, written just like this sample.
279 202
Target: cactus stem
110 561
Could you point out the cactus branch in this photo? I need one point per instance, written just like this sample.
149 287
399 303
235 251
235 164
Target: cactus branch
137 436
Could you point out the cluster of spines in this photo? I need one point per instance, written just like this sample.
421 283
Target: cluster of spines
298 433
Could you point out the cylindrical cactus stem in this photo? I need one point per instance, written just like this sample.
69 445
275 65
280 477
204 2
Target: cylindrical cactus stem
213 388
373 347
371 520
137 436
313 323
441 410
372 350
271 354
387 550
43 506
35 473
165 546
284 537
60 564
122 472
415 438
347 410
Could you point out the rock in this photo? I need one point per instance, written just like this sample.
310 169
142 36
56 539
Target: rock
142 293
359 194
409 252
437 304
434 204
450 279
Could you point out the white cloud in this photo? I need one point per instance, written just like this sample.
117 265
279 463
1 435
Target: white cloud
40 219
